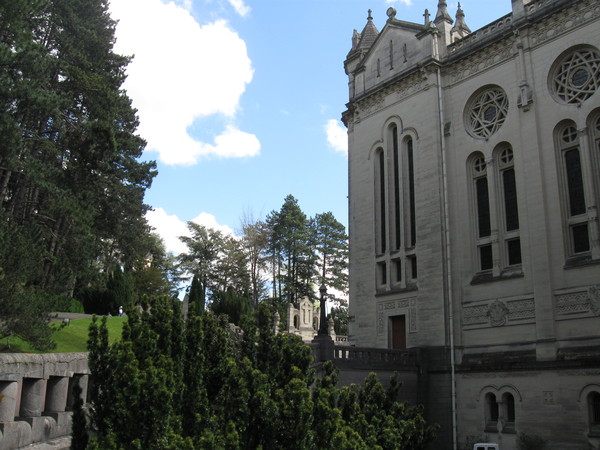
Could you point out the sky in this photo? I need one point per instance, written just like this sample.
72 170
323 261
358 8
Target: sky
240 101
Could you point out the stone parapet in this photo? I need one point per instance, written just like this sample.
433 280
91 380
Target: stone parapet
36 395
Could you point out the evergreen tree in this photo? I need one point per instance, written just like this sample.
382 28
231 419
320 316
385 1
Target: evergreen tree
204 248
120 291
292 256
196 297
71 184
331 244
205 386
255 238
79 439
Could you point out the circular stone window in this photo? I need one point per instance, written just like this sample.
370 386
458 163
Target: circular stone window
576 76
486 112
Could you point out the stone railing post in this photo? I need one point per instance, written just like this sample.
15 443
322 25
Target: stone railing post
56 394
9 391
32 397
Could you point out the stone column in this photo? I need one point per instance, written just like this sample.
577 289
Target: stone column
56 394
32 397
8 393
82 380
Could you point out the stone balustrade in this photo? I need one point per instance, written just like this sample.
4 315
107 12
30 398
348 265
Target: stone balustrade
375 357
36 394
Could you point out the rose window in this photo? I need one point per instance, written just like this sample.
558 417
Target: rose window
577 76
487 112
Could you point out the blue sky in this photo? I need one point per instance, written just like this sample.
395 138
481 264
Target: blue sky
240 101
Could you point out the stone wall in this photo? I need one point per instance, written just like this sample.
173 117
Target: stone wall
36 394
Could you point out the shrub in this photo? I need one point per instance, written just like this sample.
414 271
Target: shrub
530 442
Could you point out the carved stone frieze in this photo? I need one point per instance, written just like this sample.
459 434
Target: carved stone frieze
594 296
521 309
475 315
492 55
399 90
564 21
409 304
572 303
499 312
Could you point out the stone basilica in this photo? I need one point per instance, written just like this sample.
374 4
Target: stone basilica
474 187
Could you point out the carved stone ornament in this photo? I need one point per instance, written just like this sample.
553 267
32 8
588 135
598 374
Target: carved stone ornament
594 296
497 313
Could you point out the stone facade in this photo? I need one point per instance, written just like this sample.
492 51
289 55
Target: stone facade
36 394
474 183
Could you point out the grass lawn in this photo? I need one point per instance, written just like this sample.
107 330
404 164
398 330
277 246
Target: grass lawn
72 338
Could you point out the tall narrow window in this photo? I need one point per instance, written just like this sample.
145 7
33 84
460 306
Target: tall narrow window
410 169
381 201
395 210
491 413
574 182
483 207
594 413
482 198
397 192
482 213
594 127
504 157
382 273
573 189
508 404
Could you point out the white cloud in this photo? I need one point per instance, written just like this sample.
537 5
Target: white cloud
182 71
336 136
210 221
240 7
406 2
233 143
170 227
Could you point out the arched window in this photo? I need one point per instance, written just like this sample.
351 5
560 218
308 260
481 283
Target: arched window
504 161
595 131
572 188
482 211
397 190
491 413
508 406
593 400
410 190
395 209
380 201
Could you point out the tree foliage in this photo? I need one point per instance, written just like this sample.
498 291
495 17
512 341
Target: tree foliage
71 182
289 251
202 384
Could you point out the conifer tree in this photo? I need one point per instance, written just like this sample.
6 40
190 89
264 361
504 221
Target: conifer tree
71 183
79 436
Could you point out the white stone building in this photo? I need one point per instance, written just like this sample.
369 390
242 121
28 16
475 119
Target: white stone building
474 184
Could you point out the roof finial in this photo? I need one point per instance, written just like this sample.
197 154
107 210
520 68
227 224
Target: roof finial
460 26
391 13
426 15
442 13
370 17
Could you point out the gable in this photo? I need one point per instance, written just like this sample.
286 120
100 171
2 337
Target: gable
398 48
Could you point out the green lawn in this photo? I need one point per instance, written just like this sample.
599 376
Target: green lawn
72 338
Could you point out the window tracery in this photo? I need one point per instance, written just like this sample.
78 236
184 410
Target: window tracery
577 76
486 112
